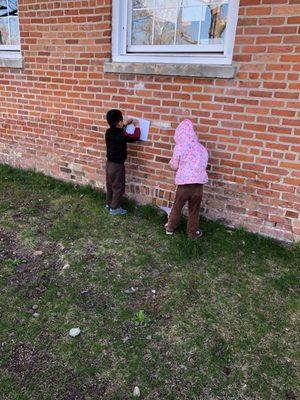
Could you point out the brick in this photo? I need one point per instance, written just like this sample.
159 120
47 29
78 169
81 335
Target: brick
292 214
258 11
268 39
271 21
286 95
286 10
291 58
260 93
290 165
283 30
294 20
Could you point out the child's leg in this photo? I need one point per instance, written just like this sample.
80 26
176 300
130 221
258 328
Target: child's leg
194 203
181 198
109 193
118 185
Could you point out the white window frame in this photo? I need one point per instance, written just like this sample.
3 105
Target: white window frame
179 54
8 51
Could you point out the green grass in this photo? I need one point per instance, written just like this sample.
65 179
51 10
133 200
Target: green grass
210 319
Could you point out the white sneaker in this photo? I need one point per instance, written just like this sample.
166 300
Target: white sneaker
117 211
168 231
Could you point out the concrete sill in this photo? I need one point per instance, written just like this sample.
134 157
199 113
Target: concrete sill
193 70
11 62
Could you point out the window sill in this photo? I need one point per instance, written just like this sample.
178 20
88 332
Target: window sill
192 70
11 61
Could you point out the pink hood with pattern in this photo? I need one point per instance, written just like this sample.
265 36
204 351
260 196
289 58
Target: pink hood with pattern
190 157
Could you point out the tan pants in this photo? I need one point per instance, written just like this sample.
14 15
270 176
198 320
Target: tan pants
193 195
115 184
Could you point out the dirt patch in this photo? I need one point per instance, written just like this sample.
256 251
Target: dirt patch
25 359
33 269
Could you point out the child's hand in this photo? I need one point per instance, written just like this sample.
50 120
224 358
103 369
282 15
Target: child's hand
135 122
128 122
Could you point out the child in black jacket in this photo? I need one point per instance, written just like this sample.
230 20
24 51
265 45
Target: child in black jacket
116 140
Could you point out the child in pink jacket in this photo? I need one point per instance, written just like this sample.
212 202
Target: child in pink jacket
190 161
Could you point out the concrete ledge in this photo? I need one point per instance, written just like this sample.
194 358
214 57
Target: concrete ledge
11 62
194 70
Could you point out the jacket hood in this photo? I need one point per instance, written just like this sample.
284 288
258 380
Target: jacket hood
185 134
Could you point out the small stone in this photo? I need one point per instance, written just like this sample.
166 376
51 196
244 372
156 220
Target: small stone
149 337
153 291
136 392
37 253
131 290
36 315
74 332
35 307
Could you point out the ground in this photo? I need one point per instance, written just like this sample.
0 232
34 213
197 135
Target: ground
214 318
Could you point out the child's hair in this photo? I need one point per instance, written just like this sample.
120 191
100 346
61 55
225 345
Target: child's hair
113 117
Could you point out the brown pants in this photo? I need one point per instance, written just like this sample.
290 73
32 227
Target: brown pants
115 184
193 195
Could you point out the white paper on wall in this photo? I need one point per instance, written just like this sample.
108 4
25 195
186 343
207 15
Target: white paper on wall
144 127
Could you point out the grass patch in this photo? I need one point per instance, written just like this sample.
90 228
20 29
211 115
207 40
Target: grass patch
214 318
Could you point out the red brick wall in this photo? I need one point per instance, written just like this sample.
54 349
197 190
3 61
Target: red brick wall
52 111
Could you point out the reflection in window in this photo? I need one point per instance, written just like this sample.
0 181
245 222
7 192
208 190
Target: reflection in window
9 24
178 22
142 22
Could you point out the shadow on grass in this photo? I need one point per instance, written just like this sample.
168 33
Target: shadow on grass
218 239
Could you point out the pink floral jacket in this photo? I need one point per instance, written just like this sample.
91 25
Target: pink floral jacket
190 157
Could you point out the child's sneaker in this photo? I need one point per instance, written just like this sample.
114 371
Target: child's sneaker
117 211
168 231
199 234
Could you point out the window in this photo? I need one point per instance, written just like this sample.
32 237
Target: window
174 31
9 26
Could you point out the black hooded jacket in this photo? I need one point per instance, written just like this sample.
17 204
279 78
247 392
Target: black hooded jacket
116 143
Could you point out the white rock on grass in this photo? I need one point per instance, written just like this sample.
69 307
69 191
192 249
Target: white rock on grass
74 332
36 315
66 266
131 290
136 392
